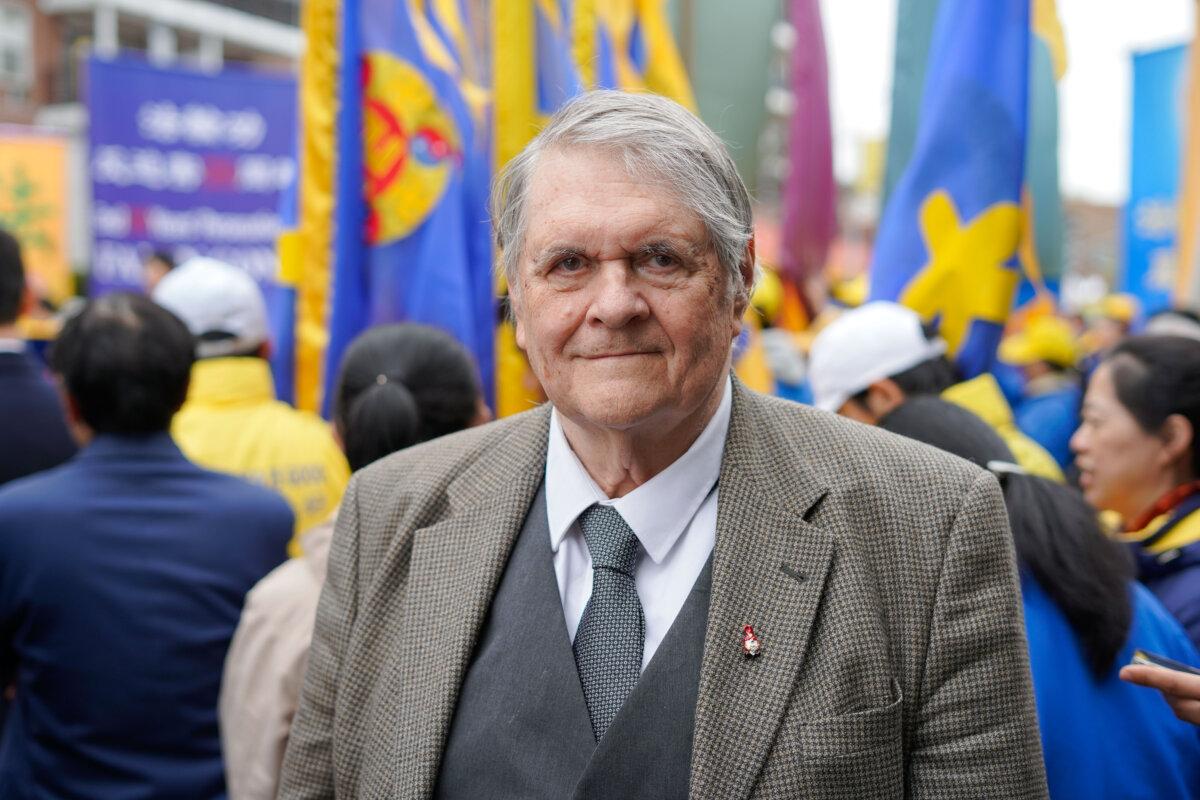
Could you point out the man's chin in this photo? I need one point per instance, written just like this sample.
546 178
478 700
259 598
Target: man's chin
616 410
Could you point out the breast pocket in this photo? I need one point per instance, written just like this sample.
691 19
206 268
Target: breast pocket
849 735
858 755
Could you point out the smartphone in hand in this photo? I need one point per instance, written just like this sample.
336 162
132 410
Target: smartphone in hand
1155 660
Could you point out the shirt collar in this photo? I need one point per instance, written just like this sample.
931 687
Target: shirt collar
12 345
659 510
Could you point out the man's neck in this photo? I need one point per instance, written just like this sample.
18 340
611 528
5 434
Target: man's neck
10 331
619 461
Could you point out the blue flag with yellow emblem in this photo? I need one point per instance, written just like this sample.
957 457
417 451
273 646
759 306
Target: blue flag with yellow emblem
948 239
412 239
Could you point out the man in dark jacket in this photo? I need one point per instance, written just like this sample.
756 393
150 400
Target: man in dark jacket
122 576
33 432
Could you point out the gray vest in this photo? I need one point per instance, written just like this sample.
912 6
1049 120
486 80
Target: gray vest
521 728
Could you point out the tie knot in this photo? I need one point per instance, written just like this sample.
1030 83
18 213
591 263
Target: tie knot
611 541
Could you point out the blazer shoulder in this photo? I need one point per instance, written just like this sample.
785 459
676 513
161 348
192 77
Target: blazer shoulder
50 488
430 467
838 451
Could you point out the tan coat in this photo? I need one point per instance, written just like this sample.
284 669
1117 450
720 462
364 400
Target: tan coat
264 669
877 572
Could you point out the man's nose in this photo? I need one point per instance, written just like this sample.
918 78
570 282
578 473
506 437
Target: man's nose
617 298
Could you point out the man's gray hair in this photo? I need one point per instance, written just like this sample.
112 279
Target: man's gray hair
656 139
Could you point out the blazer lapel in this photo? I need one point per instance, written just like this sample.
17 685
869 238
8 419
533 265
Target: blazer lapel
456 566
769 568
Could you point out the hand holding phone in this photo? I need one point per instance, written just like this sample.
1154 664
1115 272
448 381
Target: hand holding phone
1156 660
1178 682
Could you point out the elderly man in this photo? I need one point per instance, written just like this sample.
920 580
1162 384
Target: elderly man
660 585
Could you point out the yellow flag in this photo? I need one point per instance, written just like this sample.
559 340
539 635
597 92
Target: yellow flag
627 44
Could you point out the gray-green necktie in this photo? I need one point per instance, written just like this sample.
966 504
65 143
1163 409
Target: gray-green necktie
612 631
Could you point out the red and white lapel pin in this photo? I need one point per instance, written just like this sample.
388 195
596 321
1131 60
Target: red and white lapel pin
751 644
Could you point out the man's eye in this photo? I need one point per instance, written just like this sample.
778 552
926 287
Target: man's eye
662 260
570 264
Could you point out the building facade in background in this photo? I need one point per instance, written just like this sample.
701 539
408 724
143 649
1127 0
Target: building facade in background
45 44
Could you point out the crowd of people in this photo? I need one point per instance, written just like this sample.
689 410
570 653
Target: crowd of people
167 527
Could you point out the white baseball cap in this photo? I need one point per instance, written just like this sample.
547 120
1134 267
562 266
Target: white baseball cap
864 345
220 304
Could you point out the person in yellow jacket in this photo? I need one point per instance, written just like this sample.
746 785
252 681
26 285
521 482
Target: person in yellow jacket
869 360
983 397
231 420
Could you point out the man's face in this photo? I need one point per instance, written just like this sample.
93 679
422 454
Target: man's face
153 271
870 407
621 304
1108 333
858 411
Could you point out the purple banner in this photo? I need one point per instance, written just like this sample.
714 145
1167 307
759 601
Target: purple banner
187 162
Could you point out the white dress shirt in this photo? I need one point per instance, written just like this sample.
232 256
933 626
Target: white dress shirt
674 516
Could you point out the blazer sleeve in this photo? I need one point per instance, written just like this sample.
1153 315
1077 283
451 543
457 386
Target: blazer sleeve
976 730
308 762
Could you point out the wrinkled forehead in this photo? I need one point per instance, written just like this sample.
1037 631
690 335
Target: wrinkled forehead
586 187
560 166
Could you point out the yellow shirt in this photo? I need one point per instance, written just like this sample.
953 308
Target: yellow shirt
231 422
982 396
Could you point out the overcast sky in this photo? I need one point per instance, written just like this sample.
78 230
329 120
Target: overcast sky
1094 95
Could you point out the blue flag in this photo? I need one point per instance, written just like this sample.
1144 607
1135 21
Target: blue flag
1156 147
948 239
412 241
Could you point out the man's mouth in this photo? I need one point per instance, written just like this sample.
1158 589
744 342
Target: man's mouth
618 354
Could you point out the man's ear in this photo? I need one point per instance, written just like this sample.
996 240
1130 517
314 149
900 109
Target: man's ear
883 397
1178 438
483 414
514 315
80 431
28 302
749 261
184 395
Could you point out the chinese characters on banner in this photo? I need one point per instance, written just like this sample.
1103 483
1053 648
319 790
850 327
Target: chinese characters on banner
187 162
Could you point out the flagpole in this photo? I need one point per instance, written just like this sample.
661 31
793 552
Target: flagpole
1187 276
687 33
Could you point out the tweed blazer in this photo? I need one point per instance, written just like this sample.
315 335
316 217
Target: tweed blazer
877 572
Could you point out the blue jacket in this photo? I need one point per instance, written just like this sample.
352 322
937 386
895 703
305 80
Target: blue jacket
1174 576
1050 419
33 432
122 576
1107 738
